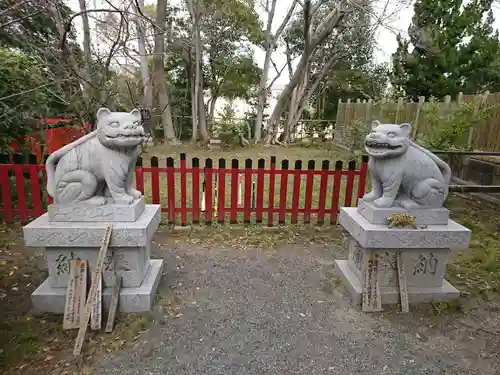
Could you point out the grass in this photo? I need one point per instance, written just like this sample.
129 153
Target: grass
477 270
318 154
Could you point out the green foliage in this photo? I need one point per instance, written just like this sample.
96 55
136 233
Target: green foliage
229 27
22 99
455 50
355 138
228 128
448 129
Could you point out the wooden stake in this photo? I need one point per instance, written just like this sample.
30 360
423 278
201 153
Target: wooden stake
403 291
114 304
93 289
372 300
75 294
96 313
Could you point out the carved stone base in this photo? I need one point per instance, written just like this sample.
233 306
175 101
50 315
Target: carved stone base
110 212
424 268
449 236
131 263
44 233
390 294
47 299
424 255
423 216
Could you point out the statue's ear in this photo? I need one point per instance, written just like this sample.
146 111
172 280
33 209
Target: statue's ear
375 123
405 129
102 113
136 113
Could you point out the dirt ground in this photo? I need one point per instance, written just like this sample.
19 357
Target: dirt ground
251 280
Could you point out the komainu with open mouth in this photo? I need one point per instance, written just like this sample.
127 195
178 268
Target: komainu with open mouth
402 172
99 164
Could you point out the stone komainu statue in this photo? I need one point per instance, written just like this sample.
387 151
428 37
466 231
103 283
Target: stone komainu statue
402 172
100 164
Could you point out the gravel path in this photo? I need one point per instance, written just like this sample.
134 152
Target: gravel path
252 312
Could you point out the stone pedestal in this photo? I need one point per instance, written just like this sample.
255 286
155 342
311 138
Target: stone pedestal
76 232
424 252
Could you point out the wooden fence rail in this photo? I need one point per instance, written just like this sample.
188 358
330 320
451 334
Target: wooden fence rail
192 193
350 113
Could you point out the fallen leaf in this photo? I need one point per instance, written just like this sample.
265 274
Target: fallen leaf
49 358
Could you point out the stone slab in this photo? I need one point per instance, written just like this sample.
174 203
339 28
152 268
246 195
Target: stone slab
110 212
423 267
47 299
44 233
423 216
390 295
450 236
131 263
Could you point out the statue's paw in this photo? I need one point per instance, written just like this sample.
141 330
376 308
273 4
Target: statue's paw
96 201
135 193
370 197
409 204
383 202
124 199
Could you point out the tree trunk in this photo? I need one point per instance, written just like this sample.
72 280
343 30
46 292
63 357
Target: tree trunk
194 104
87 77
202 114
263 92
283 98
159 78
147 98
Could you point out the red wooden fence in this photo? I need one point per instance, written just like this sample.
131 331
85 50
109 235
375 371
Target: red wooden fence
193 193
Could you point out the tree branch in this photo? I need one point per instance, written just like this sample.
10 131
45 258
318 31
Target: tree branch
285 21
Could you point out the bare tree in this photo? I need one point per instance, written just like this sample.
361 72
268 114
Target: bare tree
270 45
315 39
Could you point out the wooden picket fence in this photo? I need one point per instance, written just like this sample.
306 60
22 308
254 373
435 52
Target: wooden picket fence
192 193
350 113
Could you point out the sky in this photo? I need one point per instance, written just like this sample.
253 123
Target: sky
394 17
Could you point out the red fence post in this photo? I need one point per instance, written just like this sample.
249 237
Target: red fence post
208 192
183 191
155 180
283 191
22 198
7 209
139 175
362 176
36 190
171 190
247 197
296 190
272 179
260 191
221 192
337 180
349 186
311 165
234 191
325 166
196 190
